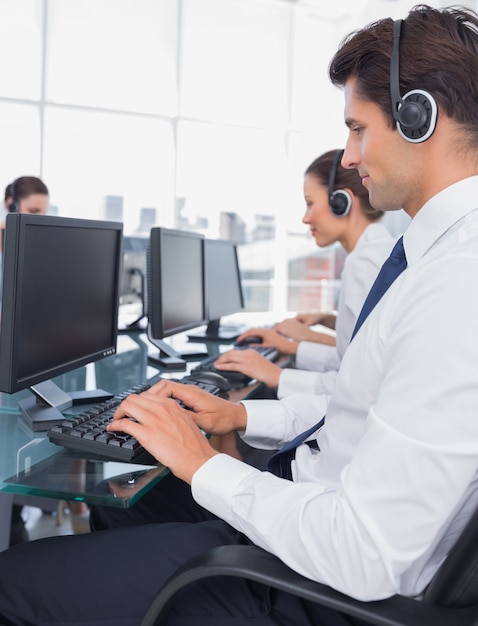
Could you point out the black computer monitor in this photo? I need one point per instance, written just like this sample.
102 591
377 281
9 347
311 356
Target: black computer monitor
224 294
176 291
59 307
133 283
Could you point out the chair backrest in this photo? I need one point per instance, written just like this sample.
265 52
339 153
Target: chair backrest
456 582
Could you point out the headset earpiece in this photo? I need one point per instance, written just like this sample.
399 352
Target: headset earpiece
13 206
340 201
417 112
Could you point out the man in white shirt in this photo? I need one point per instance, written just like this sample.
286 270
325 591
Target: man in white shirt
377 509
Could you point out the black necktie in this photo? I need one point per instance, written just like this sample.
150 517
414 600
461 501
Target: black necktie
393 266
279 462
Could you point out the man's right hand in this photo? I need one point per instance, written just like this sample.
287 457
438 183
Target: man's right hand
214 415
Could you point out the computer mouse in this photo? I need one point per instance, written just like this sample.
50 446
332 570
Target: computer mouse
248 341
210 378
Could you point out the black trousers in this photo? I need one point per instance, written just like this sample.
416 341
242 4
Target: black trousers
109 577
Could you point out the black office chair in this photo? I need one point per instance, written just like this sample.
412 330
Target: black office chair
451 599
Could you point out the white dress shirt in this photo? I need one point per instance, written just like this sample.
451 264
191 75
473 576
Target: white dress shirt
374 513
360 269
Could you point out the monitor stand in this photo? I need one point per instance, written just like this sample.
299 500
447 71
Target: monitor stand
139 322
170 358
135 325
43 409
215 331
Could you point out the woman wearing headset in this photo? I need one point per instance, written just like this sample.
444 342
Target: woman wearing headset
337 210
27 194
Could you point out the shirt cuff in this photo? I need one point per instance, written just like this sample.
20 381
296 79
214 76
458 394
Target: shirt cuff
267 422
215 483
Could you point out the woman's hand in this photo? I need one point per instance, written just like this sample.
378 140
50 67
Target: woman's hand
325 319
270 338
252 364
294 329
300 332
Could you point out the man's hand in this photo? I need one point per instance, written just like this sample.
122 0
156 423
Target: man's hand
252 364
169 432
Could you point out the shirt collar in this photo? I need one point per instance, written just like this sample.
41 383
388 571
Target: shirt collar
438 215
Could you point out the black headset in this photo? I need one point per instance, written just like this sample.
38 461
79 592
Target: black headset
13 207
417 112
340 201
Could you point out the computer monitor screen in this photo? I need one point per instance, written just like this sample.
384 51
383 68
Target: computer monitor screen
59 307
223 290
132 304
176 288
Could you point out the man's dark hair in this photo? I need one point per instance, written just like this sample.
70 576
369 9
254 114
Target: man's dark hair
438 53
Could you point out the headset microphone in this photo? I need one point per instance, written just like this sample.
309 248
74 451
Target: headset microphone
416 113
340 201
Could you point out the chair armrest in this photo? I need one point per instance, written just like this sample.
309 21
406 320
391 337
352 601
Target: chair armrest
253 563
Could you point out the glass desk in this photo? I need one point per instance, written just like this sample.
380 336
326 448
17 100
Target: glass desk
31 465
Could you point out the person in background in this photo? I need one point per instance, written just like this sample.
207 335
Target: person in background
337 210
377 500
27 194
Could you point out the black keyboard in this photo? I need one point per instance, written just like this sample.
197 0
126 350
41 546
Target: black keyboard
237 379
86 433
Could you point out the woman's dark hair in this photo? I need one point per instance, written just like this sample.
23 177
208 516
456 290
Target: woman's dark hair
438 54
25 186
344 179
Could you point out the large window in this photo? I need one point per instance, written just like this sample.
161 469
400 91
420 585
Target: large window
195 114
